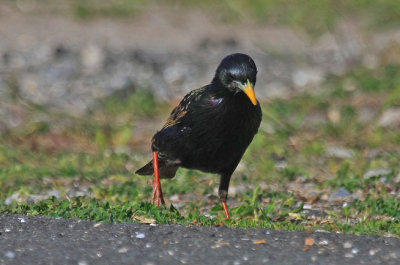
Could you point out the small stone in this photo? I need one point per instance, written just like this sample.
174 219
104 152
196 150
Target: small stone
397 179
21 220
323 242
92 58
377 172
237 190
140 235
373 251
174 197
355 250
10 254
123 250
390 118
347 244
334 116
340 194
307 77
349 255
82 262
339 152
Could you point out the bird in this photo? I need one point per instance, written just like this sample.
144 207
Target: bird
210 129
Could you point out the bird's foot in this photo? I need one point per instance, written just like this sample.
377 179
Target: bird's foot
156 199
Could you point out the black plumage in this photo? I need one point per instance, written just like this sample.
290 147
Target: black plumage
212 126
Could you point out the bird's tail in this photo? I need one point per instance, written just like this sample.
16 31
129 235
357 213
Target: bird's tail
166 171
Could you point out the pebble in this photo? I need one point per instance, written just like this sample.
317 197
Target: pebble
347 244
334 115
323 242
377 172
373 251
309 77
140 235
390 118
92 58
355 250
397 179
339 152
123 250
340 194
10 254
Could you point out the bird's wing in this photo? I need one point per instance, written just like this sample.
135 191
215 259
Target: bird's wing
177 135
184 107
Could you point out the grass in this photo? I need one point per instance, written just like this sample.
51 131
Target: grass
89 162
313 16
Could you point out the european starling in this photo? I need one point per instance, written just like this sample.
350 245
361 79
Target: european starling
210 129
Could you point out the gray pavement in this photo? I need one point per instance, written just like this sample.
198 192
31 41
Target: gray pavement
41 240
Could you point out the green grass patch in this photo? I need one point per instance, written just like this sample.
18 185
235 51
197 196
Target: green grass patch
90 162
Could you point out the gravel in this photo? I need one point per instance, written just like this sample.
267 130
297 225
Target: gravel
70 71
42 240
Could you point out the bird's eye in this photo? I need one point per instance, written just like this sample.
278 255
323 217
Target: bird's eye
230 78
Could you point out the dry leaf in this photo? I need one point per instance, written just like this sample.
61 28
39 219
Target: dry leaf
144 219
309 241
295 216
223 243
259 241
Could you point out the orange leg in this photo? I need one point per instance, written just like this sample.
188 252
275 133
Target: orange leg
226 210
152 182
157 188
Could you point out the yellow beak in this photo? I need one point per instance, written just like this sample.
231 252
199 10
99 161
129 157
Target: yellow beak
249 90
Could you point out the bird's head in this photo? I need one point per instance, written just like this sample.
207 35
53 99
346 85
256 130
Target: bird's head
237 73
